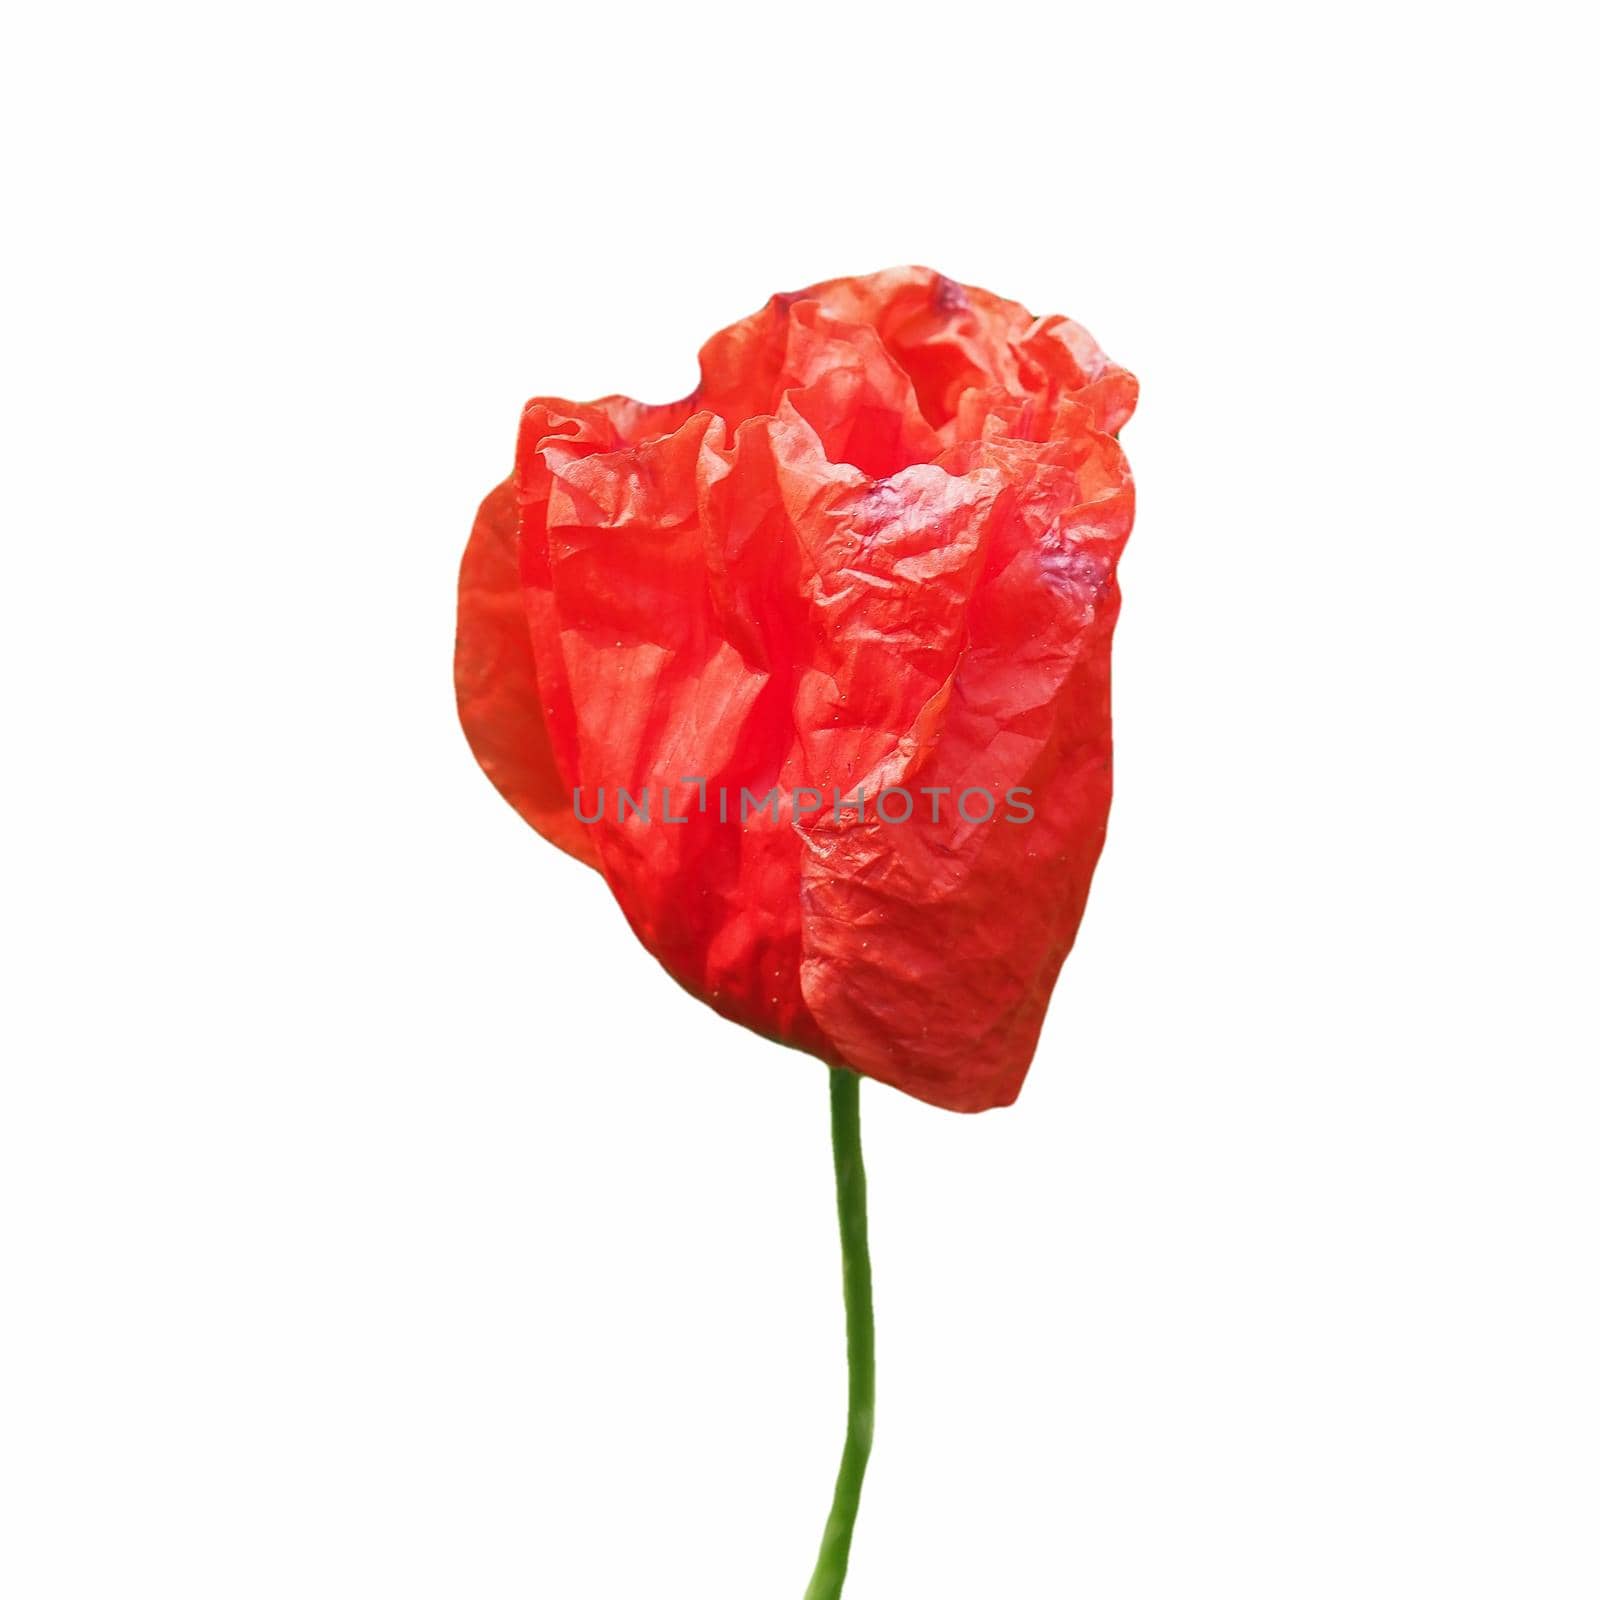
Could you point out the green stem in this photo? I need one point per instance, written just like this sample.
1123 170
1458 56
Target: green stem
850 1181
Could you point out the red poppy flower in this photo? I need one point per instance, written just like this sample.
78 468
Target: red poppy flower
870 560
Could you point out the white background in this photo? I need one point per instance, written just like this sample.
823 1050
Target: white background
378 1220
